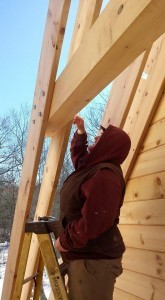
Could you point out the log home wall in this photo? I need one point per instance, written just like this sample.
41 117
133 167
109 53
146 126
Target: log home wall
142 221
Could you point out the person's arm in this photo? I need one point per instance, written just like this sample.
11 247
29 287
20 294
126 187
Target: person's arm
103 195
79 122
79 143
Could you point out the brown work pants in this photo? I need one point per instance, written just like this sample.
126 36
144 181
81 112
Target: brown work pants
93 279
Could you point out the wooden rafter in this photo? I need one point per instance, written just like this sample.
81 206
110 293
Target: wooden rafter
122 93
121 33
87 14
58 145
145 102
53 37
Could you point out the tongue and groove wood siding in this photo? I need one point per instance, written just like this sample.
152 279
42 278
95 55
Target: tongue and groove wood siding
142 221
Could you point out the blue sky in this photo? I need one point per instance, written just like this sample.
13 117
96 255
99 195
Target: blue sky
22 25
21 33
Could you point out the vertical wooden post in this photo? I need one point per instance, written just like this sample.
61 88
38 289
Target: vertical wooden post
53 37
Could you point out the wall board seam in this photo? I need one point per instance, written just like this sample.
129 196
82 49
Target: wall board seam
129 293
147 250
148 174
131 179
132 201
147 150
140 273
150 128
158 120
157 251
135 224
144 175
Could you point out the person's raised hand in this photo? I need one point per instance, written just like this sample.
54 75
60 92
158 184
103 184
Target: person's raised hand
79 122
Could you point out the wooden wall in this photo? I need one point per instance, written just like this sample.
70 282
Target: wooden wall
143 219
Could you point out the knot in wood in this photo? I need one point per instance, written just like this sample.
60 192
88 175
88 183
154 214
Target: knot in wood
62 30
120 9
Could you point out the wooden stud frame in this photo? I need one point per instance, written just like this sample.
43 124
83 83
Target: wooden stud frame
145 102
58 143
54 32
123 91
119 35
110 46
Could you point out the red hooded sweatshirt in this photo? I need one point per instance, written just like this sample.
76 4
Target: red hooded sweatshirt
91 197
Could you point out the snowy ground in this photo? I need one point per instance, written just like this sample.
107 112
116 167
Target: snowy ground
3 258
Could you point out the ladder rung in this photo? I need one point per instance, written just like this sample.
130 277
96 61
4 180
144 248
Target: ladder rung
64 268
30 277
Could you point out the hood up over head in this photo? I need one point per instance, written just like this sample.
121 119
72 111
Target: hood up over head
113 146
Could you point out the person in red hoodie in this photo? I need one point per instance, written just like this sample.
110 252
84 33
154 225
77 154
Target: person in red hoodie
91 198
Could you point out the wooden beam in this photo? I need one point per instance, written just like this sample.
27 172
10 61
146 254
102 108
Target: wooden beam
58 145
121 33
123 91
87 14
145 102
46 199
53 37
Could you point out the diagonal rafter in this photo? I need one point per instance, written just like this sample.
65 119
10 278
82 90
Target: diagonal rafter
120 34
145 102
134 26
122 92
53 37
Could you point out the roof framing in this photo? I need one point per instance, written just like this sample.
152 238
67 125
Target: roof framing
59 141
120 34
123 91
145 102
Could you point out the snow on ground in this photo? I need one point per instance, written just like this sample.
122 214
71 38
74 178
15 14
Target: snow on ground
3 259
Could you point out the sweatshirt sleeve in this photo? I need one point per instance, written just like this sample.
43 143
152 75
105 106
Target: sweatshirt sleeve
102 195
78 149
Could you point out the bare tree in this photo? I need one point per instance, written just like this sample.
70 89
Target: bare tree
5 138
13 135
